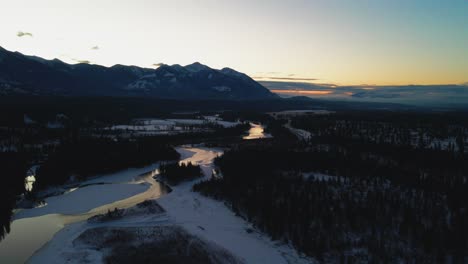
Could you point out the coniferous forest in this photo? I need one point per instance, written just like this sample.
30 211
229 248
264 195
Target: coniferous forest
175 173
357 190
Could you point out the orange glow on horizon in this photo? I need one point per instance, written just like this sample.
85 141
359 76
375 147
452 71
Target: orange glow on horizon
307 92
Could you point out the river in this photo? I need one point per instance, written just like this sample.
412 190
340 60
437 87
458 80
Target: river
29 234
31 230
256 131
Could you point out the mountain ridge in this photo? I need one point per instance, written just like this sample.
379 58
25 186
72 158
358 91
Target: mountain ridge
32 75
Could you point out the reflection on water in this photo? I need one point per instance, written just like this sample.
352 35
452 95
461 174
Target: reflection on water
256 131
29 234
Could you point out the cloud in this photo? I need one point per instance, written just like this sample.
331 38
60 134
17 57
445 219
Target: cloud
427 95
298 79
24 34
82 61
95 48
157 64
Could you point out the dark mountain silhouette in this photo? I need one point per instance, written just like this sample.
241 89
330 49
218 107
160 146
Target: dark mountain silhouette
30 75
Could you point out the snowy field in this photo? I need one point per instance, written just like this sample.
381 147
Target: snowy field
162 126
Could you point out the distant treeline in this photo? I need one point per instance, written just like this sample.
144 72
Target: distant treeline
86 110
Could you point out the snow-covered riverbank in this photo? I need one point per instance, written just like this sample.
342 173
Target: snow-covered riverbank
33 228
213 221
200 216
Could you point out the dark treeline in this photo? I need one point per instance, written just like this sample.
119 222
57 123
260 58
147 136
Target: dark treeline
174 173
13 171
90 156
384 202
117 109
447 131
87 110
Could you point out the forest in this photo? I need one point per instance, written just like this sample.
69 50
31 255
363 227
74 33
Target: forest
80 149
343 196
87 157
14 167
174 173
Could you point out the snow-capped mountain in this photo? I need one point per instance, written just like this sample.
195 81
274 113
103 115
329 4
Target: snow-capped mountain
30 75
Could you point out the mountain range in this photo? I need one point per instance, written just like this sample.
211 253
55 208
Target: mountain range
30 75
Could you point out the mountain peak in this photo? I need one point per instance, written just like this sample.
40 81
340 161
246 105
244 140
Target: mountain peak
34 75
229 71
196 67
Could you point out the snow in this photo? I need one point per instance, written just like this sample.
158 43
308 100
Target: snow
123 176
188 121
213 221
168 126
31 233
84 199
200 216
299 133
227 124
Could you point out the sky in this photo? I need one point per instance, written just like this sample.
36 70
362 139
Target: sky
343 42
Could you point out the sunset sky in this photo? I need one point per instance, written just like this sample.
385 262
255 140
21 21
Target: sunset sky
347 42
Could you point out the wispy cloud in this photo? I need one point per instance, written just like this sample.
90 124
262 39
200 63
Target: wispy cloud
298 79
157 64
302 92
95 48
82 61
24 34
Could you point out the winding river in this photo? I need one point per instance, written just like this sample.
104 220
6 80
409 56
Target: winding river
32 230
29 234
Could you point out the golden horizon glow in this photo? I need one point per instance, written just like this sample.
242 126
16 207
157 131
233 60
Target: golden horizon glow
303 92
392 42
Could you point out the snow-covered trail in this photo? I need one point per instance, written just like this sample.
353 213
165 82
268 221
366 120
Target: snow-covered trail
213 221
